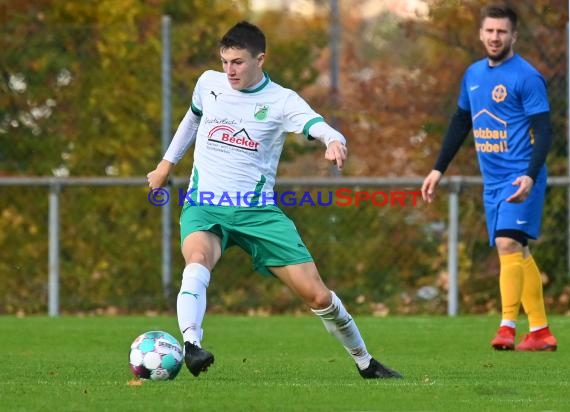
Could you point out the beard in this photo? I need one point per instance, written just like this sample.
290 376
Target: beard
500 56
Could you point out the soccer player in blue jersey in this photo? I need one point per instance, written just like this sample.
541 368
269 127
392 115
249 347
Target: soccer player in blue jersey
503 99
238 121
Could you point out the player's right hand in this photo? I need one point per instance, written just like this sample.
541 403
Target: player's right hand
156 179
159 176
430 184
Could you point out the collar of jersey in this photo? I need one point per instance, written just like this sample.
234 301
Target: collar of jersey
258 88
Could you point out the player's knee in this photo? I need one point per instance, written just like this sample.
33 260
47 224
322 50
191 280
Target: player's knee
321 299
196 257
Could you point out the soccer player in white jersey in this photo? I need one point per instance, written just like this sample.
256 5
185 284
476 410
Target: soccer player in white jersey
238 121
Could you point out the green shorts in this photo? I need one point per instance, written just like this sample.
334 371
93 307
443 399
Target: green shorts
264 232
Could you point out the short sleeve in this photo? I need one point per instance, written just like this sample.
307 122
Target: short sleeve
463 100
297 114
534 95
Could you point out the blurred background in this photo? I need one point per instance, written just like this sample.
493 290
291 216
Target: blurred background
91 91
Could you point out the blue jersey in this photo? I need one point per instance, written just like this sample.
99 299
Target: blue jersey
500 100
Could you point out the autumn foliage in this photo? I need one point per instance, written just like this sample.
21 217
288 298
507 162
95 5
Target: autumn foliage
80 95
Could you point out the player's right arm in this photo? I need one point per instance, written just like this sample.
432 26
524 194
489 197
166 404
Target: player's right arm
459 126
430 184
184 137
159 176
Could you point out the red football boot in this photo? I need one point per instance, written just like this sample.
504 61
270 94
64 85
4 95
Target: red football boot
504 339
540 340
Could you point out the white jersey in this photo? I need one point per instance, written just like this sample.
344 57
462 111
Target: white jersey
240 139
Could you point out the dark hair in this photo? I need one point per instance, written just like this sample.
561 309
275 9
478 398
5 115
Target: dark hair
500 11
244 35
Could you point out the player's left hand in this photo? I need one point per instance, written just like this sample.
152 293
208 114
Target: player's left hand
525 184
337 153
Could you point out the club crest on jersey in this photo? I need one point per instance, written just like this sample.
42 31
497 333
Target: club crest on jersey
260 111
499 93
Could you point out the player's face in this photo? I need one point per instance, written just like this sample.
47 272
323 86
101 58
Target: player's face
243 69
498 37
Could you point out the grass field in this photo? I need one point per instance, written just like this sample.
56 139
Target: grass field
280 363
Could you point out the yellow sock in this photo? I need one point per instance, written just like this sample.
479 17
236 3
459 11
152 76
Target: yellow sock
532 298
511 279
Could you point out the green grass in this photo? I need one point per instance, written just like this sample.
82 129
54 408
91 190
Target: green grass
280 364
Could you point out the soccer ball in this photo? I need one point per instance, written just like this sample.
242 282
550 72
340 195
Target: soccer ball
155 355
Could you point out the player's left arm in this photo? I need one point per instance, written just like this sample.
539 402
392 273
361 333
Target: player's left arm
541 131
335 142
301 118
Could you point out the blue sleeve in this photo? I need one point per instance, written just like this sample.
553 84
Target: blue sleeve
463 100
542 133
534 95
458 129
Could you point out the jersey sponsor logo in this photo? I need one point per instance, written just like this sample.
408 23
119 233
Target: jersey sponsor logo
491 134
213 93
499 93
226 135
260 111
487 133
488 147
219 120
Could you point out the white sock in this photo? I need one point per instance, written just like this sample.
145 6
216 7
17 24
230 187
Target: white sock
341 325
191 302
509 323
